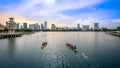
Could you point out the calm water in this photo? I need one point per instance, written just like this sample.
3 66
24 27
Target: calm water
96 50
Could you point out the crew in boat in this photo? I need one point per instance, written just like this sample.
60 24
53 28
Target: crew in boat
75 47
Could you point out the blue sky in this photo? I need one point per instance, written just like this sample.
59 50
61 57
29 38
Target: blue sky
67 12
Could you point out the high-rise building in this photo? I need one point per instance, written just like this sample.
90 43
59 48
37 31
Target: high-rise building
42 27
32 26
24 25
96 26
17 25
78 26
37 26
85 27
21 26
53 27
118 28
104 28
45 25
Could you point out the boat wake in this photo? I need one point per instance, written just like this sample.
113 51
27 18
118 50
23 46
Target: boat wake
84 56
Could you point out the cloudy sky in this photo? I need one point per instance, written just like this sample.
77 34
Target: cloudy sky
62 12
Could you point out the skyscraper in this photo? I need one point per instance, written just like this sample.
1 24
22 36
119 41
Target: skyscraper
53 27
21 26
78 26
96 26
45 25
118 28
31 26
42 27
17 25
24 25
37 26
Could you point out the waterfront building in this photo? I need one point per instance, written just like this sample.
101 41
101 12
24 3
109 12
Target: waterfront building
78 26
42 26
85 27
17 25
118 28
53 27
37 27
45 25
96 26
62 28
58 28
32 26
24 25
104 29
21 27
65 28
72 28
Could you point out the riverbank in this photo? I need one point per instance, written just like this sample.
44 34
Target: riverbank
13 35
115 33
9 35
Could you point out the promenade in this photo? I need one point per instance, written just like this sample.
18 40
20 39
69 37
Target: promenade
116 33
10 35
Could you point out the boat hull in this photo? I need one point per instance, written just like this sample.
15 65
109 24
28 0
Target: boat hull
70 46
43 45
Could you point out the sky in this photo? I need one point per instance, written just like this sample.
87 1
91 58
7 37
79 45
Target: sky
63 13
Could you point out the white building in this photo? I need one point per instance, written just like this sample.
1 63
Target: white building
85 27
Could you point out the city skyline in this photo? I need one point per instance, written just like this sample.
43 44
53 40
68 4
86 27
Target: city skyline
62 12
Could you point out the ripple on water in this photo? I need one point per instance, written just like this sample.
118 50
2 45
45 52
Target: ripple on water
56 60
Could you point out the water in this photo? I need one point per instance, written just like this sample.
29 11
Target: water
96 50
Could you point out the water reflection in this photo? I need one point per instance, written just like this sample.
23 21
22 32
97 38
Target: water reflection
11 47
43 37
96 39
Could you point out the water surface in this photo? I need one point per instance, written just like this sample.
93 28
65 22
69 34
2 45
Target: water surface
96 50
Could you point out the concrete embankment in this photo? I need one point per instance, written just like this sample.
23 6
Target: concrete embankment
9 35
116 33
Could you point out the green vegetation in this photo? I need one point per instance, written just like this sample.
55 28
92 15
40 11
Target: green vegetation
24 30
5 30
17 30
48 30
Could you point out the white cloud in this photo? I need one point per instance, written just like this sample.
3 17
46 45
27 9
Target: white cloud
53 7
86 21
116 20
50 8
65 18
